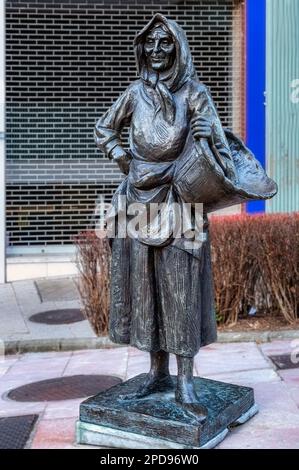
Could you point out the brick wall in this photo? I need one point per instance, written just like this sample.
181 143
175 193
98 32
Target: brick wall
66 63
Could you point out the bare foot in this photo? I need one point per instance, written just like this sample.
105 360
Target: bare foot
188 399
153 383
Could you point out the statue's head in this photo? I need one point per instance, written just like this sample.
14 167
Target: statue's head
162 46
159 48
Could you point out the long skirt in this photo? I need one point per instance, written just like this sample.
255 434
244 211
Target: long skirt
161 298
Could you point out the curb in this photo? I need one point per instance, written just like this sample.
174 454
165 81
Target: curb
257 336
102 342
57 344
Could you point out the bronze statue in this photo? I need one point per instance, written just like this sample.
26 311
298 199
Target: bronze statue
162 291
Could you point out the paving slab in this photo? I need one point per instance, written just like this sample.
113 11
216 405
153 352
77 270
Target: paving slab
103 362
277 408
11 319
290 376
54 434
286 438
278 347
223 357
250 376
62 409
293 391
57 290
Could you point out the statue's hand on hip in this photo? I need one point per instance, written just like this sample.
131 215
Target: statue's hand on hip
122 158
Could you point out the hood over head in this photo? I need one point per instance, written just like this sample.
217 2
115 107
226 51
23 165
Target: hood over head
181 70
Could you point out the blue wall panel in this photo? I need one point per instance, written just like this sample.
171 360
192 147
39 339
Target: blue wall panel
255 84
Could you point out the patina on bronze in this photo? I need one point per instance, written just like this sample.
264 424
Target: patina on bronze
162 297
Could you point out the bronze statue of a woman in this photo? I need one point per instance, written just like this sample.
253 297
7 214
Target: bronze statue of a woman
162 293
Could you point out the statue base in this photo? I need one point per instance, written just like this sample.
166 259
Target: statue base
158 422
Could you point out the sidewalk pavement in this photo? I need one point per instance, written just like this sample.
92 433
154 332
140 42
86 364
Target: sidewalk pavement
20 300
244 363
276 391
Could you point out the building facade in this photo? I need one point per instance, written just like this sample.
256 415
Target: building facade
67 61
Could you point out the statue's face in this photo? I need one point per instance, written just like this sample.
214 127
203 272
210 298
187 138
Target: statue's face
159 49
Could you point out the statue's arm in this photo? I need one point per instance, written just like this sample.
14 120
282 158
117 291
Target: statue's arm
205 123
109 127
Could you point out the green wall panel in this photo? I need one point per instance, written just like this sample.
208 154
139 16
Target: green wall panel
282 112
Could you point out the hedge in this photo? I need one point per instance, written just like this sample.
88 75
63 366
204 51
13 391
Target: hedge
255 264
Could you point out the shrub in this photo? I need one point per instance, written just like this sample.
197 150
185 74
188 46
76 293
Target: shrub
93 262
256 264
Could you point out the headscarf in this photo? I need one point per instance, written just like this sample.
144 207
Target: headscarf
182 69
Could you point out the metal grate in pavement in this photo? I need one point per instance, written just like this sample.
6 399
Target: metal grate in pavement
285 361
63 388
58 317
15 431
